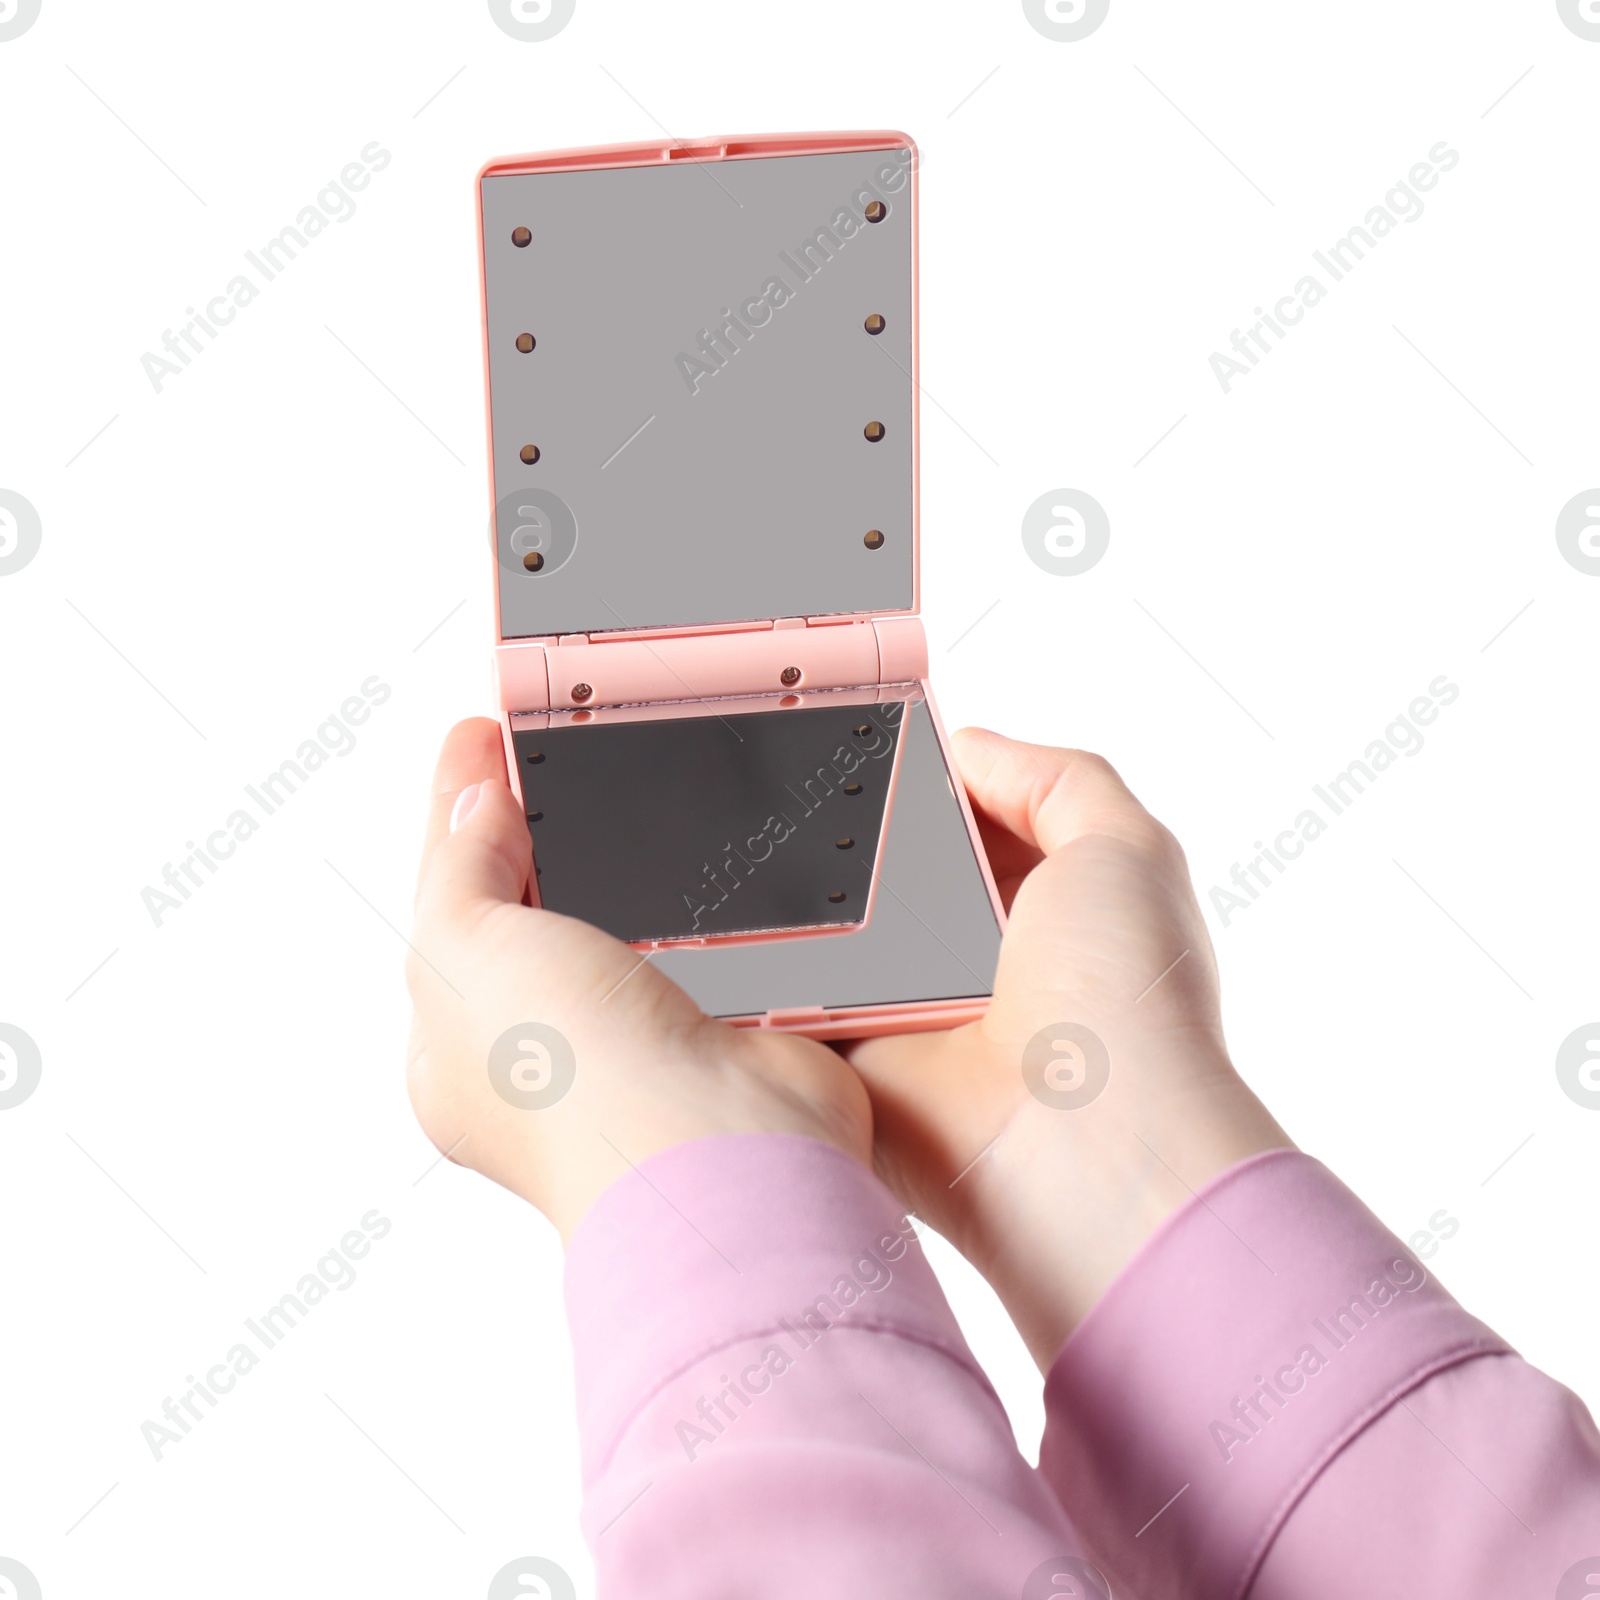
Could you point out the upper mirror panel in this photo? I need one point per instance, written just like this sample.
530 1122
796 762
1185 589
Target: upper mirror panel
700 386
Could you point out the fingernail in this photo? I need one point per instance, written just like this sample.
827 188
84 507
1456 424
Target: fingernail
465 801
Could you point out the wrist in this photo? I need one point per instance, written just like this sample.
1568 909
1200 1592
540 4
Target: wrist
1065 1201
719 1086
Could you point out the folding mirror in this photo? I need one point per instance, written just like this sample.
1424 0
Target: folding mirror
703 448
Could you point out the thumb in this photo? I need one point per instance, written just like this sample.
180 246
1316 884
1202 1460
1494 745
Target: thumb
484 861
1045 797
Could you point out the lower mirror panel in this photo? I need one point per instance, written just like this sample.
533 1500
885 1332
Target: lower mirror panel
745 820
932 933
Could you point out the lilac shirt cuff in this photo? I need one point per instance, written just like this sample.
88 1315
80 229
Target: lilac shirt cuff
774 1397
733 1239
1266 1324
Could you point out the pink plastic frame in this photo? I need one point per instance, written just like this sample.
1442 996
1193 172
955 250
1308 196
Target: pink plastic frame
864 651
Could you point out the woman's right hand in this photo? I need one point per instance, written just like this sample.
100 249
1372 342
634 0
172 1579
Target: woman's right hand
1049 1139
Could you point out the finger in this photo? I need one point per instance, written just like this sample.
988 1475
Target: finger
1043 797
927 1106
473 750
482 861
1009 858
888 1055
471 923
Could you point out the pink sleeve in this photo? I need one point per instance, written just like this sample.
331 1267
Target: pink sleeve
774 1399
1277 1400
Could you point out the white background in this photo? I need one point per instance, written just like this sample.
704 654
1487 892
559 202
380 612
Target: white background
224 562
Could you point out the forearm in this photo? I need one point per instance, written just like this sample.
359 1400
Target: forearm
1277 1400
774 1395
1067 1199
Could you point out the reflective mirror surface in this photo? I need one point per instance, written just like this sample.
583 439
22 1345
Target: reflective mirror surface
932 933
715 824
700 381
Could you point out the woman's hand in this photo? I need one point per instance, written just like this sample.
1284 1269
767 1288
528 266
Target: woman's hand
1050 1139
552 1057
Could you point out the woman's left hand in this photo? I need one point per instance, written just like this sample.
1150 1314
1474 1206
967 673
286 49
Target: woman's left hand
551 1057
